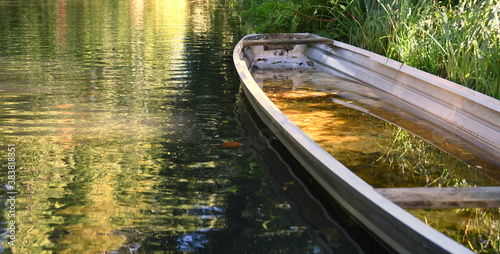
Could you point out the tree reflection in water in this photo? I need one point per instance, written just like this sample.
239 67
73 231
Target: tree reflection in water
119 109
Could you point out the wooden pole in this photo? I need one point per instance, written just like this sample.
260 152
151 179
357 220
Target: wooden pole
421 198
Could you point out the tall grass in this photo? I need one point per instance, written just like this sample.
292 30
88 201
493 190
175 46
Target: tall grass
457 40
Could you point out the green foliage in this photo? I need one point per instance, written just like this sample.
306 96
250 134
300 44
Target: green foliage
457 40
282 16
269 16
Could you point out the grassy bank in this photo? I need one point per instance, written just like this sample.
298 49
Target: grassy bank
457 40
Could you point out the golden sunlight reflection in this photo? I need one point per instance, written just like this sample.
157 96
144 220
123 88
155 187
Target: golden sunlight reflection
92 155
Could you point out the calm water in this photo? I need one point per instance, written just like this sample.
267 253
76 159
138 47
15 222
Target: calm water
112 116
114 112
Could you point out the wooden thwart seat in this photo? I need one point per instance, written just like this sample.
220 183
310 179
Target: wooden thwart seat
287 41
465 197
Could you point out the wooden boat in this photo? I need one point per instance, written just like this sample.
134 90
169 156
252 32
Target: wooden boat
472 117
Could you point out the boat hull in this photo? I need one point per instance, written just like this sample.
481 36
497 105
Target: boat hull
390 223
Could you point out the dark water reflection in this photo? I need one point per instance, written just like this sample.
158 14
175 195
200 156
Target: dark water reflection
117 110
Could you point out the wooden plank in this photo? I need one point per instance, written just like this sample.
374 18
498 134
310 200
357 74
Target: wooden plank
287 41
422 198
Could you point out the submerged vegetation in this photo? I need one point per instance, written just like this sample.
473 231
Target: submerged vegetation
457 40
475 228
386 156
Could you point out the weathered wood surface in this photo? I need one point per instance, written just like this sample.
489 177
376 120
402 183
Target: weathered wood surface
287 41
421 198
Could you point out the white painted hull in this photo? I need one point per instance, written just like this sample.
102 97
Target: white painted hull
423 92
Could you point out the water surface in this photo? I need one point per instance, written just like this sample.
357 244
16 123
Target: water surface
117 110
